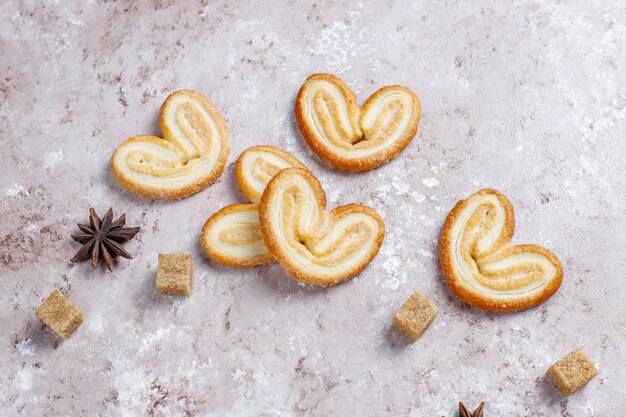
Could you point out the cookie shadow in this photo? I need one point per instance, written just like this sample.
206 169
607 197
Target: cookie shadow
236 196
124 197
274 278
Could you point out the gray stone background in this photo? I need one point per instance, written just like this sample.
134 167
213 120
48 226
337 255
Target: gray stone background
525 96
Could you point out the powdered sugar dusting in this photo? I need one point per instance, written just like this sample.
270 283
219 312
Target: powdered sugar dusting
430 182
53 158
16 190
508 103
26 347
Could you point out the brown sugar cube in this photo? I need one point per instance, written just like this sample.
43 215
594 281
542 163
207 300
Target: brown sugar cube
415 315
175 274
572 372
60 314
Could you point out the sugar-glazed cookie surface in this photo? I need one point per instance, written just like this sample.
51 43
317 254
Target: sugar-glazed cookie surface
353 138
311 244
232 236
257 165
190 156
480 265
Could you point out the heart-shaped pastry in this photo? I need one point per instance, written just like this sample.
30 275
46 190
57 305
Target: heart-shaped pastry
190 156
480 265
257 165
350 138
232 236
313 245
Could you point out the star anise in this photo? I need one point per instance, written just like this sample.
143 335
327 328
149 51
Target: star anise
102 239
464 412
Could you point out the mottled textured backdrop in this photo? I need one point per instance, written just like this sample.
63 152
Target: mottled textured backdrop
528 97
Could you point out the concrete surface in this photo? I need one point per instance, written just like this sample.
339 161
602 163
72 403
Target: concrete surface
528 97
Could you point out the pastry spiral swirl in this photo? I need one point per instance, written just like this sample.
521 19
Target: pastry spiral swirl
313 245
190 156
480 265
232 236
350 138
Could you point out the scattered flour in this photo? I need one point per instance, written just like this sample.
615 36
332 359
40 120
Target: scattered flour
430 182
426 220
204 11
250 93
392 264
262 376
23 379
26 347
401 187
587 165
425 253
330 39
391 284
159 335
383 191
96 323
333 194
131 384
340 41
438 168
530 145
418 197
77 22
16 190
53 158
238 374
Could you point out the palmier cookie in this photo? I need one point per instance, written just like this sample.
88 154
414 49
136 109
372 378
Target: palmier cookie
350 138
313 245
480 265
232 236
190 156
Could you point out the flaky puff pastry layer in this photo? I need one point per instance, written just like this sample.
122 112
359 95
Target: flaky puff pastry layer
232 236
190 156
313 245
480 265
353 138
